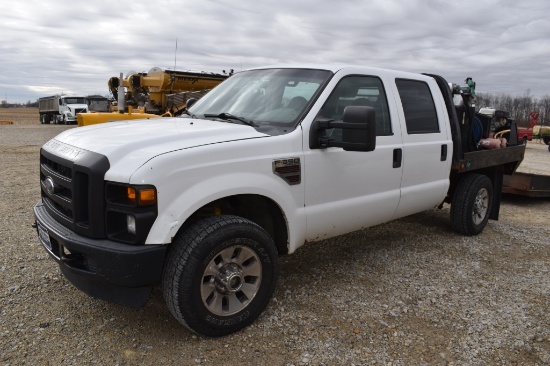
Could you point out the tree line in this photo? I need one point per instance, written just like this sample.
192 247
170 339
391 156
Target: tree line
518 107
5 104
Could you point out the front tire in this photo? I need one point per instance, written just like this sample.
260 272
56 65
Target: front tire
472 203
220 275
546 140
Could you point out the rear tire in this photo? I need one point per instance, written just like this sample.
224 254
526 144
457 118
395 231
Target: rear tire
472 203
220 275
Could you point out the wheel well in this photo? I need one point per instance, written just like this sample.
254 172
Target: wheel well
258 209
496 177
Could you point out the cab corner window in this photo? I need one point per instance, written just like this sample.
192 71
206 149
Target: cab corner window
418 106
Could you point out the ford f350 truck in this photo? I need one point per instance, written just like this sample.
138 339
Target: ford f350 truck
269 160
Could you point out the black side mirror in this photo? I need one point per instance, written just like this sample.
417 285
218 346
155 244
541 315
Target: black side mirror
361 134
358 130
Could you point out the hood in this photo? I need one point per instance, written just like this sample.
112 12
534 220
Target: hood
130 144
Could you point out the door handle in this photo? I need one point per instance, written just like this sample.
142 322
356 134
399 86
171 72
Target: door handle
397 157
443 152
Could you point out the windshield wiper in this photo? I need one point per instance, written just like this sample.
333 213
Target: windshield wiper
229 116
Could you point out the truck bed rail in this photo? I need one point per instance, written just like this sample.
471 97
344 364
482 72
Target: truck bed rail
509 157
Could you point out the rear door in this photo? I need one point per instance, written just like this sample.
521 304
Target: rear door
427 144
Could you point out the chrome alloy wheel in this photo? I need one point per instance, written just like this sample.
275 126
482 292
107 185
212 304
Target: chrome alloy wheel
231 280
481 205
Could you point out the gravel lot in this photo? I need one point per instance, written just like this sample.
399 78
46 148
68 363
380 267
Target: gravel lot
410 292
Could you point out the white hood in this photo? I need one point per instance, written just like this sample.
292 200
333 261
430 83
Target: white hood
130 144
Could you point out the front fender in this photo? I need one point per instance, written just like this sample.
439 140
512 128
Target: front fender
176 207
191 178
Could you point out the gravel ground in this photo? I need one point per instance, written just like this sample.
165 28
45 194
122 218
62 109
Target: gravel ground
410 292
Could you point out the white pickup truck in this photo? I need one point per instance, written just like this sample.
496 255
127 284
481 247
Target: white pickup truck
271 159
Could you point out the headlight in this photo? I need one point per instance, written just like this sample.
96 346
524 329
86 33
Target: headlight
131 211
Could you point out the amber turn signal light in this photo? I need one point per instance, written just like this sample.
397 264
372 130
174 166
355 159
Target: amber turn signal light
131 195
147 197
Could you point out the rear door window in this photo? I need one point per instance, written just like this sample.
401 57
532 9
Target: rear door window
418 106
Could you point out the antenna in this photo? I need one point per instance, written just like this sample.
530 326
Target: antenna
176 54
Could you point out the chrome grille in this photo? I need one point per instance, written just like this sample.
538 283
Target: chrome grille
58 195
73 187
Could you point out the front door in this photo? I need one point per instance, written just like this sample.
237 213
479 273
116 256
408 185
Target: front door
344 190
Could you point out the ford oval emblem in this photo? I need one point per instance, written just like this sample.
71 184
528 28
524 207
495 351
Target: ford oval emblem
49 184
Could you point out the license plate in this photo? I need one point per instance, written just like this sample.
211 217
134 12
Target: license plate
44 236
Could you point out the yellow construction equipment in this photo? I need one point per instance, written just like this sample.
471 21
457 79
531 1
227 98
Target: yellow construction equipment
92 118
153 94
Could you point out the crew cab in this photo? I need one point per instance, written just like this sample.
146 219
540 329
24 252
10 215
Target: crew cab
269 160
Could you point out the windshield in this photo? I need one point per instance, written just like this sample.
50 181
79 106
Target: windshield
268 98
75 100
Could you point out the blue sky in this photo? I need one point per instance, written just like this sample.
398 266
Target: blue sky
49 47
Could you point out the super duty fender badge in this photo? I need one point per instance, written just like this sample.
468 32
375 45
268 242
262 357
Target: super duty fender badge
289 169
67 151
